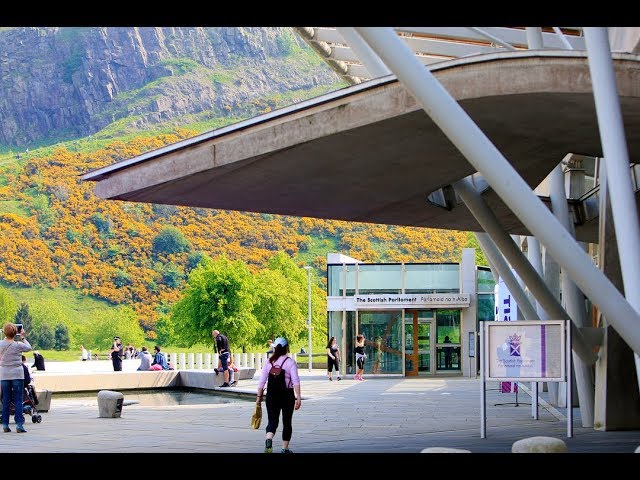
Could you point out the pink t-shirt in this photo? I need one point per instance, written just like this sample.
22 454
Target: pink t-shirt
290 368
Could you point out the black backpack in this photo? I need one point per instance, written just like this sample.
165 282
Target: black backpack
276 384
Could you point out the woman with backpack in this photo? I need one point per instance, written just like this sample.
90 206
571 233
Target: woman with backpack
280 376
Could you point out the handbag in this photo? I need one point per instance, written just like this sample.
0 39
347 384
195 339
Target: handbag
257 417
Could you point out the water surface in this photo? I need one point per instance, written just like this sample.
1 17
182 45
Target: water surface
157 397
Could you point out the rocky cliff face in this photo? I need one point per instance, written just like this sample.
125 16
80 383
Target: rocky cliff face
61 83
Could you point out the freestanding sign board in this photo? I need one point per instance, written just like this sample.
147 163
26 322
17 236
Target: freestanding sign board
526 350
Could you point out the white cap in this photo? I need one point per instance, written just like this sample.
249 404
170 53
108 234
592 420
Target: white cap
280 341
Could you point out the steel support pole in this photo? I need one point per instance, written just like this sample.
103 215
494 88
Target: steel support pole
365 54
614 146
535 259
504 179
573 301
534 38
493 38
487 219
504 270
494 270
563 39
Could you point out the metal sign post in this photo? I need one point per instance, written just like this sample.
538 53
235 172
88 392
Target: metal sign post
526 350
568 390
483 386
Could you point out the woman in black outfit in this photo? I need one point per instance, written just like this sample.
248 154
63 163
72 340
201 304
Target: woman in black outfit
333 358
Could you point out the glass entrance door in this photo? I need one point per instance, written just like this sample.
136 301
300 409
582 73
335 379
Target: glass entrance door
418 327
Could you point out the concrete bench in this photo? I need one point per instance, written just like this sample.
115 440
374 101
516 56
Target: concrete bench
110 403
243 373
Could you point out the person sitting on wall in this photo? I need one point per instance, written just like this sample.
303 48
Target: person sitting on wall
38 361
159 359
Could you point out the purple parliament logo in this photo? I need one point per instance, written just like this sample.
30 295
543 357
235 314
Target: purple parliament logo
514 345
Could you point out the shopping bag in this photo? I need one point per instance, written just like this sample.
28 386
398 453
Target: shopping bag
257 416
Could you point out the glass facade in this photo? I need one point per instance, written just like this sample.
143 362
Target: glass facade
409 341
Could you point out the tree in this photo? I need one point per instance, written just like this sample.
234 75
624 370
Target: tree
281 299
472 242
120 321
46 315
219 295
23 316
61 337
42 337
170 240
278 306
7 306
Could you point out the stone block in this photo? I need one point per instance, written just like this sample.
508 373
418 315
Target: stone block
539 445
444 450
110 404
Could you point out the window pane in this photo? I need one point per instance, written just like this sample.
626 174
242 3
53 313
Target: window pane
486 307
448 325
486 283
432 278
334 273
351 280
383 345
374 279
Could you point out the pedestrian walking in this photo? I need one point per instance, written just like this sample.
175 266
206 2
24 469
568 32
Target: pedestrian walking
280 376
360 357
221 344
333 358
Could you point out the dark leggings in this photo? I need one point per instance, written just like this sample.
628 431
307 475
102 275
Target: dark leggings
275 404
331 363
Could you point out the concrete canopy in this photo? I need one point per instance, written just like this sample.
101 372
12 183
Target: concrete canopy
369 153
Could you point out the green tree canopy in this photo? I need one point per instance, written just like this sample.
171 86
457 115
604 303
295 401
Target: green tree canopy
170 240
8 306
61 337
23 316
472 242
219 295
121 322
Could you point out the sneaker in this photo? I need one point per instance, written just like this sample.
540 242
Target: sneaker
330 379
268 446
339 379
6 429
21 429
217 371
234 383
285 450
225 384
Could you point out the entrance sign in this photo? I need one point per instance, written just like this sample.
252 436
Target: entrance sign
526 350
386 301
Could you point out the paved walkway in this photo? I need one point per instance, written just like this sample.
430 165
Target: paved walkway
380 415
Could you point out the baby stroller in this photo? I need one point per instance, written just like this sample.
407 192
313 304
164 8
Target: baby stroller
29 402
